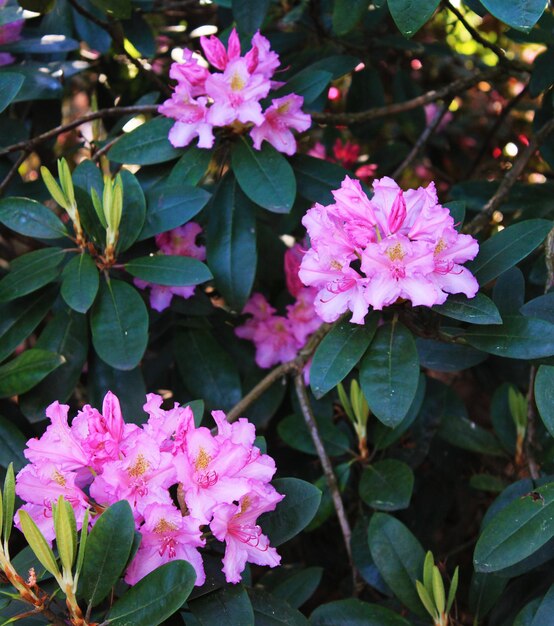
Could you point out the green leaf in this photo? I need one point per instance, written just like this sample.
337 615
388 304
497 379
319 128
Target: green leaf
155 597
31 271
293 513
309 83
541 307
461 432
66 533
294 432
107 552
134 212
326 507
10 84
447 357
387 485
517 338
339 353
66 334
399 557
207 369
411 15
545 610
190 168
38 543
12 444
29 217
119 324
231 243
353 612
507 248
389 373
249 15
118 8
18 319
478 310
484 592
346 14
544 395
519 14
317 178
517 531
171 270
26 370
146 145
170 206
80 283
272 611
297 587
229 605
265 176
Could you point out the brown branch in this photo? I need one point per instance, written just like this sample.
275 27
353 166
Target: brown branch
330 477
534 469
30 144
448 91
482 218
13 171
422 139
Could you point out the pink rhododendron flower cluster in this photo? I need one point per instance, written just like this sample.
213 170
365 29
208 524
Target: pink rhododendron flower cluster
372 252
222 478
278 338
180 241
230 95
9 33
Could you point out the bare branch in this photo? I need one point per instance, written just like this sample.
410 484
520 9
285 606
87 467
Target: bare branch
13 171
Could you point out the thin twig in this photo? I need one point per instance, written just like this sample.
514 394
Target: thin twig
448 91
30 144
330 477
532 464
482 218
422 139
13 171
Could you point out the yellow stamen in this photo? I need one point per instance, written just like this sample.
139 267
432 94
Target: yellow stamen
202 460
163 526
58 478
237 82
395 253
441 245
139 468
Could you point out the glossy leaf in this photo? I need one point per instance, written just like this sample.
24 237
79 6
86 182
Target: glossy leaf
29 217
26 370
387 485
155 597
146 145
107 552
541 307
316 178
346 14
517 531
519 14
297 587
461 432
80 283
265 176
309 83
484 592
170 206
119 324
190 168
389 373
478 310
447 357
12 443
10 84
272 611
411 15
249 15
31 272
294 432
544 395
231 243
134 212
293 513
399 558
229 605
507 248
353 612
338 353
171 270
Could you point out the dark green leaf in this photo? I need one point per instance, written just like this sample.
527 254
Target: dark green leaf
298 587
309 83
389 373
461 432
207 369
229 605
170 206
190 168
316 178
544 395
265 176
231 243
155 597
146 145
10 84
447 357
26 370
12 444
517 338
30 218
107 552
272 611
30 272
80 283
399 558
134 211
119 8
353 612
411 15
543 73
509 291
249 15
119 325
339 353
387 485
541 307
165 269
517 531
346 14
478 310
326 507
507 248
519 14
484 592
293 431
545 610
18 319
293 513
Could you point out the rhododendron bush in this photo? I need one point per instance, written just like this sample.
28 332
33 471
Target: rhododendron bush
276 312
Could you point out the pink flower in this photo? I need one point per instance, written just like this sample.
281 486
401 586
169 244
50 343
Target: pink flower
236 525
162 295
167 535
181 241
9 33
267 59
215 52
293 258
260 309
190 72
283 114
275 341
168 428
346 153
302 315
